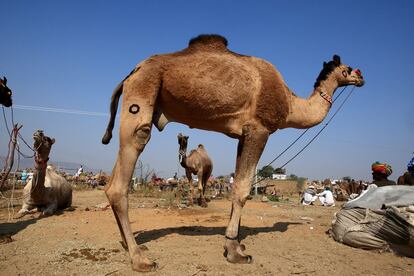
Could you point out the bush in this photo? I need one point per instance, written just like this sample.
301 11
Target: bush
273 197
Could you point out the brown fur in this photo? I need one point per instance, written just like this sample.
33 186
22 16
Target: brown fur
47 191
206 86
198 163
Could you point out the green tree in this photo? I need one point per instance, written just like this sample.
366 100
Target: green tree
280 171
266 172
293 177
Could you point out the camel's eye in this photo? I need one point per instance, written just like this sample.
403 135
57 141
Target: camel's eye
344 73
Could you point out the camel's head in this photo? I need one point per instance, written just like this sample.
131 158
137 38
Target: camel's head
5 93
42 145
182 141
343 74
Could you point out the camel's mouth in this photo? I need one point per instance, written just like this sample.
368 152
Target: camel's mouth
38 137
359 79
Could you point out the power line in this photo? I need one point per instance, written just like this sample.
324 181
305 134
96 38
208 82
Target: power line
60 110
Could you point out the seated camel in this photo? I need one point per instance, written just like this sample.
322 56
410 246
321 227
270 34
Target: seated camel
47 191
5 93
198 163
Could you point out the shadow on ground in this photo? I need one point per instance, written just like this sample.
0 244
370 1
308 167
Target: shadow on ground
143 237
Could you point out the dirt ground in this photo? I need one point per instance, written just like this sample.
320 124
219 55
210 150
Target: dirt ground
284 239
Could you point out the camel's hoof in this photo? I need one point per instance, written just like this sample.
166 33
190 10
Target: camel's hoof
233 251
202 203
20 215
236 258
145 266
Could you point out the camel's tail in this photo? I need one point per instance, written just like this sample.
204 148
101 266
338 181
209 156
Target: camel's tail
113 108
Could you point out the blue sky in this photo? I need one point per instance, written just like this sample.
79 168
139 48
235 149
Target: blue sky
71 54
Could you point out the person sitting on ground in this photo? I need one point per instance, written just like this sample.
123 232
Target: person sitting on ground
380 173
309 196
326 197
24 177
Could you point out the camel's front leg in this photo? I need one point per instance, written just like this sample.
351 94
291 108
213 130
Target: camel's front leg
249 150
26 208
190 187
202 184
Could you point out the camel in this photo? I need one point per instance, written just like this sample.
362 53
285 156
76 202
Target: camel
47 191
209 87
406 179
197 162
5 93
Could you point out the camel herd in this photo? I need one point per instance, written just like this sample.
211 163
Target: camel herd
204 86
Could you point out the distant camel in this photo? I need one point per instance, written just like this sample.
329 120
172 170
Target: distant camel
47 191
5 93
198 163
406 179
207 86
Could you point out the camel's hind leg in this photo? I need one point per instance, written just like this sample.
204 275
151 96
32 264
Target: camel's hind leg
202 188
250 148
135 131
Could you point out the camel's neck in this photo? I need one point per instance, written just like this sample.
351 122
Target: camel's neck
38 180
183 156
306 113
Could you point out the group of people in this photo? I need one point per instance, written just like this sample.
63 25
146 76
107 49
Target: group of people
310 195
380 174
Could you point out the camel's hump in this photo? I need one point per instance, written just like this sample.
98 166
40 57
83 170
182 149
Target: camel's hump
208 40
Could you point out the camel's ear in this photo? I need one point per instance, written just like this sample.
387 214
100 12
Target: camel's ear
186 137
337 60
5 80
52 140
324 64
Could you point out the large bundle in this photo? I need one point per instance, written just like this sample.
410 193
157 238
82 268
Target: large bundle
381 219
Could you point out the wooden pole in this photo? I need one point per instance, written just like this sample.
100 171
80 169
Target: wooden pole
10 157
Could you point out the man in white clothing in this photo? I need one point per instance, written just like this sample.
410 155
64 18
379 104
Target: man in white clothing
326 197
309 196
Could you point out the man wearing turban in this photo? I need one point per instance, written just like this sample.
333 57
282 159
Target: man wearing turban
380 173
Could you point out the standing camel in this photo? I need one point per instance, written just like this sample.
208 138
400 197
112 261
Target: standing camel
198 163
5 93
47 190
207 86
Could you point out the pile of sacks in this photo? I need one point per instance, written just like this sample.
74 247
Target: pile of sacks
379 219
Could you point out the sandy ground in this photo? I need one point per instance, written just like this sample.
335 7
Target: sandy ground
284 239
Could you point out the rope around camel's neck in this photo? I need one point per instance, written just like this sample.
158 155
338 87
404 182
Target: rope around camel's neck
38 181
182 157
